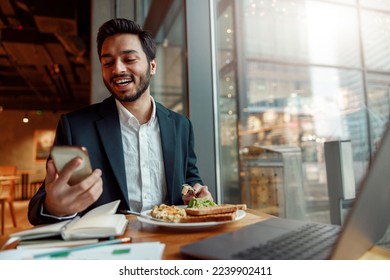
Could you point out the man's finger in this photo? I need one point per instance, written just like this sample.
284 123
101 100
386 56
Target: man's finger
68 169
91 180
51 172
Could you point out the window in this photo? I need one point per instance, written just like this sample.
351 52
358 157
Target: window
297 74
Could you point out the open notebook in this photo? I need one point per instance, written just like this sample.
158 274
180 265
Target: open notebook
365 223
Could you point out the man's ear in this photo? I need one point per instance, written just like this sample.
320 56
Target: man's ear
153 65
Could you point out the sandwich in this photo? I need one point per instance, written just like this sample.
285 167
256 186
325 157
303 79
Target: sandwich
205 210
231 216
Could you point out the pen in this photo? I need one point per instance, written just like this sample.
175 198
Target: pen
65 252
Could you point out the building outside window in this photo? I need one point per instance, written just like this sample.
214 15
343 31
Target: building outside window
297 74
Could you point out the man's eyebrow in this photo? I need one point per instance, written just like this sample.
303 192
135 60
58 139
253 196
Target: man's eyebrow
129 52
122 52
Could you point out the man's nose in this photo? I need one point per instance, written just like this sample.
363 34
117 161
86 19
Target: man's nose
119 67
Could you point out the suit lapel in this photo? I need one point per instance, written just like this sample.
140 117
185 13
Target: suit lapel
168 143
110 134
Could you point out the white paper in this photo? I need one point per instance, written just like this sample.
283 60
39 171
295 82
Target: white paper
137 251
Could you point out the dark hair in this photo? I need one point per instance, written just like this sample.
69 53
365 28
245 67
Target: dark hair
123 26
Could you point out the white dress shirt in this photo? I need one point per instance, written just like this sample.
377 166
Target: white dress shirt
145 174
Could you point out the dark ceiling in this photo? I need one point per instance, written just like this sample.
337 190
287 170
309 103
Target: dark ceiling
44 54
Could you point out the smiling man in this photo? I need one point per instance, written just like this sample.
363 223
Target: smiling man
141 151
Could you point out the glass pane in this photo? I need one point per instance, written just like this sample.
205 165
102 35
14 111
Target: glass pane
378 105
301 31
351 2
304 107
168 85
141 10
376 4
293 81
227 101
376 40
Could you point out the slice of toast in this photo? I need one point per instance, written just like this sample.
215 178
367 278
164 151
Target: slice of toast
239 206
219 209
209 218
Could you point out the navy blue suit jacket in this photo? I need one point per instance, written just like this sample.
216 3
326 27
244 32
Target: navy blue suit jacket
97 128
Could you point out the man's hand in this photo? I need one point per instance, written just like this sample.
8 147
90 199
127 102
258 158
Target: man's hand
63 199
199 191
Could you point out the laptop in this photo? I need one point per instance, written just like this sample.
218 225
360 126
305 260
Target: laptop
278 238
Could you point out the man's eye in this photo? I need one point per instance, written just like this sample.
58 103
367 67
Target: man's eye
130 60
107 63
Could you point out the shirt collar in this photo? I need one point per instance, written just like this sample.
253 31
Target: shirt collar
125 116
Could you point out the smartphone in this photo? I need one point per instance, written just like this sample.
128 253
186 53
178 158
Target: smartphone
63 154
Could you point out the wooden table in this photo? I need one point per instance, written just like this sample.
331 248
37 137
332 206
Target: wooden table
9 178
174 238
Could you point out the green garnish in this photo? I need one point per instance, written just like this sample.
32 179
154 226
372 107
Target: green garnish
201 203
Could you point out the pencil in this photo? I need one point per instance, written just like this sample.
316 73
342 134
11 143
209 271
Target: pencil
65 252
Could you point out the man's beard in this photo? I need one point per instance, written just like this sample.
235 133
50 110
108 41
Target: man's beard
144 82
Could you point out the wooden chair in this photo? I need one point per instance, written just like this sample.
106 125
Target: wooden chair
7 189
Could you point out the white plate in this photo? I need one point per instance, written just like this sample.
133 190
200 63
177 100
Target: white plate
146 218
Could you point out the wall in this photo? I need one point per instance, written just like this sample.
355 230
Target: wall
17 140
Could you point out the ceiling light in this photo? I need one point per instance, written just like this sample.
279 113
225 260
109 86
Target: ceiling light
25 119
